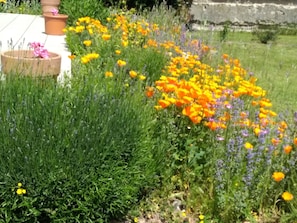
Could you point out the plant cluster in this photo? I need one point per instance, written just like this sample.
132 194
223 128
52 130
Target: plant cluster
217 126
248 156
22 7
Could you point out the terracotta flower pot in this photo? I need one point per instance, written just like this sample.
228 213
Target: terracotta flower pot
23 62
48 5
54 24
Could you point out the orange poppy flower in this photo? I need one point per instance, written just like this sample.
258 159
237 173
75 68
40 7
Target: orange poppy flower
121 63
278 176
164 103
132 73
149 92
71 57
106 36
287 149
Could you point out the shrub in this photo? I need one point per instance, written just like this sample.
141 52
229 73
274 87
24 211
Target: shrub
81 154
266 33
225 31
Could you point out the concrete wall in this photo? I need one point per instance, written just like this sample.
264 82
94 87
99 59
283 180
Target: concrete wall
244 14
281 2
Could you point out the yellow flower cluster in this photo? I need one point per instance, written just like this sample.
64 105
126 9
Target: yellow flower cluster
195 88
126 32
20 190
87 58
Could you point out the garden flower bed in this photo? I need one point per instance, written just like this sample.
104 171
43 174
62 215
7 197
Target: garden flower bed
145 116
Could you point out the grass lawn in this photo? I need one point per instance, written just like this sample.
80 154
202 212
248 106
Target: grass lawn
274 64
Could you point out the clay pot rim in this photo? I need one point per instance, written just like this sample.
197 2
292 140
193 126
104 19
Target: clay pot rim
14 54
50 15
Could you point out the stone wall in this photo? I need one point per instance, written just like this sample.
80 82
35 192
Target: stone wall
218 12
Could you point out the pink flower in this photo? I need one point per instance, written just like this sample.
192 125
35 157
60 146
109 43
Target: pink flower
55 11
39 50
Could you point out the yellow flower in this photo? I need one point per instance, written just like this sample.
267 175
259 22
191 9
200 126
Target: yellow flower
79 29
118 52
287 196
132 73
125 43
3 1
142 77
278 176
87 42
108 74
106 36
183 214
136 219
19 191
90 30
247 145
121 63
85 60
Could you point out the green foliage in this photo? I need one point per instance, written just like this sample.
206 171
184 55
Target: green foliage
266 33
31 7
181 7
142 4
76 9
225 31
290 29
81 154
